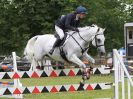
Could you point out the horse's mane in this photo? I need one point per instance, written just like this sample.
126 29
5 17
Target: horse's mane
87 27
84 28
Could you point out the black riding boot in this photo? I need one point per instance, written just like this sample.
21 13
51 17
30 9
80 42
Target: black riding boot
57 42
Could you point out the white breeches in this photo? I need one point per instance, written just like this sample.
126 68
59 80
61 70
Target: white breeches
59 32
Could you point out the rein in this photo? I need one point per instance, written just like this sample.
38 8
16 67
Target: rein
71 35
82 37
84 49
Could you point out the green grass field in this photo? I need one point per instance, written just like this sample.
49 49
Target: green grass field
69 95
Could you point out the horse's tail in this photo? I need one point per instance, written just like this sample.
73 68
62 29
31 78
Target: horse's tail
29 49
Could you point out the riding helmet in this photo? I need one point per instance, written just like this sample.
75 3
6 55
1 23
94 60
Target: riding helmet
81 9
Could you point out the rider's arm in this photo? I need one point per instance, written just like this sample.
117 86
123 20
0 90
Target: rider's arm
77 24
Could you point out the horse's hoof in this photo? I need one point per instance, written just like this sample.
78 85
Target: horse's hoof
88 78
82 84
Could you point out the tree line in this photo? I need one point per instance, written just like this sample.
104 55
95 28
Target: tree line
22 19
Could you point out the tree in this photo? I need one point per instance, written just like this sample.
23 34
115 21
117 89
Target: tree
23 19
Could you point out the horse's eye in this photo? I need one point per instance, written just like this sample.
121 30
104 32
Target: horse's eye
98 40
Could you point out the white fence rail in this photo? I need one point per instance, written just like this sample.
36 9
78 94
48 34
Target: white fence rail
119 76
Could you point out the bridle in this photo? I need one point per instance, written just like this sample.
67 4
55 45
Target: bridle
84 49
95 38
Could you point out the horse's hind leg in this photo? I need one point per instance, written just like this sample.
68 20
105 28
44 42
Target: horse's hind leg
34 63
41 63
38 55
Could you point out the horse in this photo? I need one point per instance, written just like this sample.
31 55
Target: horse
75 46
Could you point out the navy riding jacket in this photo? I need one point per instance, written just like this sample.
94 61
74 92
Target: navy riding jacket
68 22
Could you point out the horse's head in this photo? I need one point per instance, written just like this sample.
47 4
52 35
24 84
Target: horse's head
98 41
95 34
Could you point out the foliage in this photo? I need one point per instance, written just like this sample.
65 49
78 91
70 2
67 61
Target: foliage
22 19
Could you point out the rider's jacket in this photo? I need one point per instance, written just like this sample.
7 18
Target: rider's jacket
68 22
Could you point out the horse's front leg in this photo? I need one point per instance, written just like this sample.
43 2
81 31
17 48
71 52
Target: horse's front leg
88 57
77 61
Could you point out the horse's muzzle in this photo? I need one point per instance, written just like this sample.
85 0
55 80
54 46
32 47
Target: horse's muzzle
102 54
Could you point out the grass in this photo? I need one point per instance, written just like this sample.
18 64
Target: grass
72 95
69 95
65 80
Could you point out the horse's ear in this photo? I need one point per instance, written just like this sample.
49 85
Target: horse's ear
93 25
104 29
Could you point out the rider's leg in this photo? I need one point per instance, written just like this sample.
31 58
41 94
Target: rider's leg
60 32
58 40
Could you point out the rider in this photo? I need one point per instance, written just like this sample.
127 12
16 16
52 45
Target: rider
68 22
